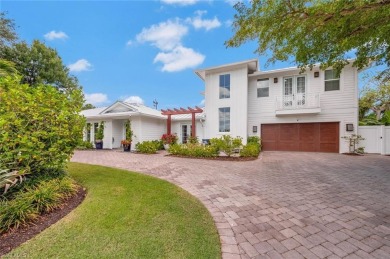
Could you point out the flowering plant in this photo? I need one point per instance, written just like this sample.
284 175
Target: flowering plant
125 142
169 138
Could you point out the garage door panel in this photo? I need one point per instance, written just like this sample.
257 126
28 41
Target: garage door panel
270 134
289 132
308 137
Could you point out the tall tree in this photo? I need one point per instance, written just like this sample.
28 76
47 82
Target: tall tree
376 99
88 106
316 31
39 64
7 68
7 30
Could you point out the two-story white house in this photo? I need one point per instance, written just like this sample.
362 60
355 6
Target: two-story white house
289 110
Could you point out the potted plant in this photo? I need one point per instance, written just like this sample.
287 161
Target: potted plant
99 135
126 143
168 139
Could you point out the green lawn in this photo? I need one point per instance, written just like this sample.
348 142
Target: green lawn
127 215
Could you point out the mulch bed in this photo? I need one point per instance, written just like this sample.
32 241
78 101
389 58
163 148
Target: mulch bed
221 158
13 239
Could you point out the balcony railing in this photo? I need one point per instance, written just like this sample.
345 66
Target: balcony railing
298 102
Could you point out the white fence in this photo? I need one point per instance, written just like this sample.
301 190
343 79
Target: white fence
377 139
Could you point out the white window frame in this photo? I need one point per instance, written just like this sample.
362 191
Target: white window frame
222 96
330 80
262 87
225 120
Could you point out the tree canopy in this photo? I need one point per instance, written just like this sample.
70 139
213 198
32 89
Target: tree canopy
39 64
374 98
7 30
316 31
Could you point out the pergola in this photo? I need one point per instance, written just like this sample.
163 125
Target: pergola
175 111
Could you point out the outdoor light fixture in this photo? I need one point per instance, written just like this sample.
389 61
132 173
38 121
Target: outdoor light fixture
317 74
275 80
254 129
349 127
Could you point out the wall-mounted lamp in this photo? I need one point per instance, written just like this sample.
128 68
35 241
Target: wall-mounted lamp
349 127
275 80
254 129
316 74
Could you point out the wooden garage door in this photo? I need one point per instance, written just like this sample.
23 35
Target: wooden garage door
309 137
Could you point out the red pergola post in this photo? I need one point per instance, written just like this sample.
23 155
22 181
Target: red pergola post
169 122
193 127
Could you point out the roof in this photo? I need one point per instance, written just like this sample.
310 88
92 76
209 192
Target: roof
123 109
251 63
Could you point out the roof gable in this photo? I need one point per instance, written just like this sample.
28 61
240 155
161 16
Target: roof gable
118 107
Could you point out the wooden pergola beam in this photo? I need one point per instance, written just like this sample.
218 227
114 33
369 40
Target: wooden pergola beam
179 111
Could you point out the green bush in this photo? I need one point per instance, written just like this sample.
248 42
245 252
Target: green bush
84 145
40 126
147 147
44 196
250 150
253 139
159 144
193 150
226 144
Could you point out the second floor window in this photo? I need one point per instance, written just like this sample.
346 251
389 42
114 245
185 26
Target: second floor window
263 87
332 82
224 86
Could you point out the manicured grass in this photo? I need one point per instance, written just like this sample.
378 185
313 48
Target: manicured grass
127 215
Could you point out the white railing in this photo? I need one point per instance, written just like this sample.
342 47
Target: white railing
297 101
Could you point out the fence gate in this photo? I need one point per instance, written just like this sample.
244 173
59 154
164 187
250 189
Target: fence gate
377 139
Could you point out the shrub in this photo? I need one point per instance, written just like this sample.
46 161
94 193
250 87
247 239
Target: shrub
169 139
84 145
159 144
226 144
253 139
99 135
40 126
193 150
43 197
250 150
193 140
147 147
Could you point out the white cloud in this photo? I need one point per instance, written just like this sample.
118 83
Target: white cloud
207 24
53 35
179 59
180 2
133 99
201 103
80 65
129 43
165 35
96 98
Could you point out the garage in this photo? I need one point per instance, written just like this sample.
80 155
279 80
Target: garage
307 137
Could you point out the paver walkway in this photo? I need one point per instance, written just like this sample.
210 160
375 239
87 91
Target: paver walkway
283 205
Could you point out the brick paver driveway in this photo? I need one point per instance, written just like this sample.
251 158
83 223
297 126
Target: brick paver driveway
283 205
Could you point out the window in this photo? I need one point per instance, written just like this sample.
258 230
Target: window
332 82
224 86
224 119
263 87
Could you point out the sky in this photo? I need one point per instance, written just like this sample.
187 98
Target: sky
138 51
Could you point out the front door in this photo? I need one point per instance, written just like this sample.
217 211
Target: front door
294 91
185 132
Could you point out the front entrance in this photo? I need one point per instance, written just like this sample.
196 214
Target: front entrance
185 132
294 92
